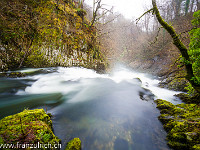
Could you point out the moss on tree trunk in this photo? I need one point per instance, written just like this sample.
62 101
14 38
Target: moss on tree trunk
182 48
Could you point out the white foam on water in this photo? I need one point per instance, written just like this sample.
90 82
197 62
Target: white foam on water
56 82
29 70
148 82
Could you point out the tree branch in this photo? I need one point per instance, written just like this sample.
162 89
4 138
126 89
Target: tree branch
182 48
156 38
149 11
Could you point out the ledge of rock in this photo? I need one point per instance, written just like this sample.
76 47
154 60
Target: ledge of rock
182 122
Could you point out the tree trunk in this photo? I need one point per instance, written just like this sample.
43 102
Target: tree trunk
182 48
177 4
198 5
187 4
191 6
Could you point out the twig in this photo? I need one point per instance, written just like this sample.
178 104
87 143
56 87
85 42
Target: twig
187 31
156 38
149 11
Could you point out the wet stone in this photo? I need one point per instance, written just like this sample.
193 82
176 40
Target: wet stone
182 124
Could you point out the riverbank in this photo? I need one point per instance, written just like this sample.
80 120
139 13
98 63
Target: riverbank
182 123
31 129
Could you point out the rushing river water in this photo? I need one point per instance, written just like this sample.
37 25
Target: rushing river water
107 112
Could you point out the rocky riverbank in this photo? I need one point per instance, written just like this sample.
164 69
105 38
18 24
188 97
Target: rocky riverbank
182 122
31 129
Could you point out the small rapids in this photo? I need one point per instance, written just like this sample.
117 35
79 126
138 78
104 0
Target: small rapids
106 111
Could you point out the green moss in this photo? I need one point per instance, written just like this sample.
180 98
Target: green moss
182 122
196 147
177 145
164 105
74 144
29 126
176 82
81 12
47 34
165 118
189 99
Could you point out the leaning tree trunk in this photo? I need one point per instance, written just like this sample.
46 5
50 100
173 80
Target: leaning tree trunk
182 48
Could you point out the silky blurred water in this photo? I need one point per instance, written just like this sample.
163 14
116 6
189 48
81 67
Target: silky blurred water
106 111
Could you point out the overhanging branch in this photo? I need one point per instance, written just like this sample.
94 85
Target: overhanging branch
182 48
149 11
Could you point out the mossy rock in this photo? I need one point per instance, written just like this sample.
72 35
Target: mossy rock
164 111
164 104
29 126
175 82
170 125
189 99
177 145
13 75
165 118
182 122
178 84
16 74
74 144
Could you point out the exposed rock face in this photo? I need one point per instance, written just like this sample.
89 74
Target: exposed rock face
59 35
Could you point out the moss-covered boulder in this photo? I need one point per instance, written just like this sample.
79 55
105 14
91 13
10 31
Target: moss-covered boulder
28 127
195 99
174 83
182 122
74 144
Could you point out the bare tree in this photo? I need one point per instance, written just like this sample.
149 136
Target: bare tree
96 6
99 11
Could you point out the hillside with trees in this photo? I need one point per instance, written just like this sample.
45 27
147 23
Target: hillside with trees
44 33
145 45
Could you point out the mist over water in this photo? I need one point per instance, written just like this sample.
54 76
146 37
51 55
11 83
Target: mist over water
106 111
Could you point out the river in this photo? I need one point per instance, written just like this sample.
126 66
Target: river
112 111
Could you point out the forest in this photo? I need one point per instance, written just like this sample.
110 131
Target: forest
56 71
